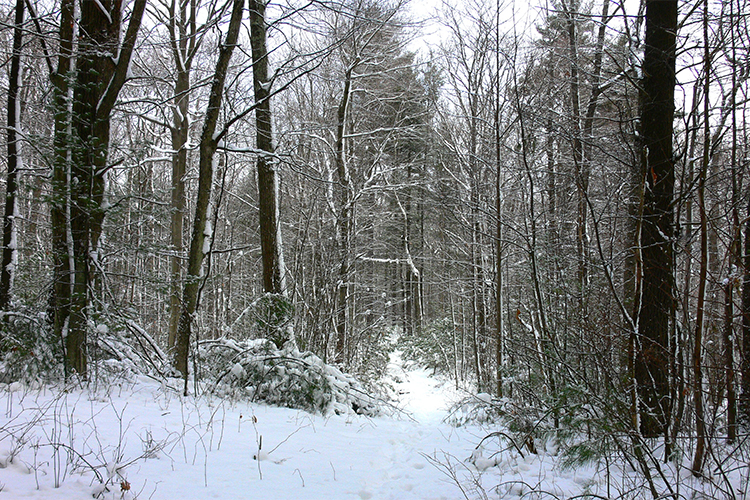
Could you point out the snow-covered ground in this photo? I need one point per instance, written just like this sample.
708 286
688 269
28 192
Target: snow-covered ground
144 441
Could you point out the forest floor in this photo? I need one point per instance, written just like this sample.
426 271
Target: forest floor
142 441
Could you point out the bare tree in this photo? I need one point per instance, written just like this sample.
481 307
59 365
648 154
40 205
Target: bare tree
652 356
184 41
272 254
10 230
209 142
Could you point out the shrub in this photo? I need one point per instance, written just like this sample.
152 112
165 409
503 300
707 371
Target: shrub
431 346
29 351
260 371
273 314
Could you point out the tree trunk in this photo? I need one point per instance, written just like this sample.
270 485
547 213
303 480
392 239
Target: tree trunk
744 399
99 32
652 350
476 317
61 250
581 173
736 256
412 274
499 335
679 370
274 273
700 422
183 47
344 221
745 367
10 231
728 344
207 148
583 142
102 71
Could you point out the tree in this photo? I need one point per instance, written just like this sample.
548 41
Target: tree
102 66
59 206
582 135
652 355
10 230
470 75
209 142
499 313
184 41
368 36
744 400
272 254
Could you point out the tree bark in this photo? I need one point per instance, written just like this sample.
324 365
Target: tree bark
412 296
700 424
700 421
581 170
744 398
102 71
344 221
272 254
10 251
499 326
736 259
182 38
728 344
207 149
61 250
745 366
652 355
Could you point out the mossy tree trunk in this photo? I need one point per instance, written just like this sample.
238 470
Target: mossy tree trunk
102 71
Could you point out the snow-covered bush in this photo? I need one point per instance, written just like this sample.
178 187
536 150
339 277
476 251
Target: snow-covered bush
121 345
270 316
371 357
259 371
273 314
526 425
29 351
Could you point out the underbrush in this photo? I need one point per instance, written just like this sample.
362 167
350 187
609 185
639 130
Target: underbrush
433 346
119 350
582 437
51 434
259 371
28 350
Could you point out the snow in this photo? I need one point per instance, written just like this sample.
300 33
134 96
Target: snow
207 233
141 439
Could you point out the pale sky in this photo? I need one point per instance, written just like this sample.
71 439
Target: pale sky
433 32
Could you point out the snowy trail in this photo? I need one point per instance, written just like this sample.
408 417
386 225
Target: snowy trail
357 457
158 445
210 447
424 397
